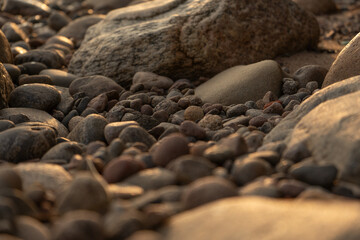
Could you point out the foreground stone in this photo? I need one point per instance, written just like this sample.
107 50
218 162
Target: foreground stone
188 39
242 83
346 65
262 218
6 86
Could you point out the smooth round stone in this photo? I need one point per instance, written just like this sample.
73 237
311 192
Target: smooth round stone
207 189
86 192
38 96
310 73
212 122
35 79
254 140
169 148
189 128
167 105
6 124
237 110
24 143
51 58
59 77
290 86
29 228
145 235
6 87
188 168
134 133
93 85
149 80
7 212
297 152
5 50
74 121
57 39
89 129
291 188
79 225
32 68
263 187
193 113
274 108
13 70
9 178
112 130
51 176
315 175
152 179
257 121
248 169
58 20
65 151
99 103
26 8
269 156
53 46
13 32
120 168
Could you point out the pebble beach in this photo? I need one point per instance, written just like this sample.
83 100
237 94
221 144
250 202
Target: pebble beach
169 119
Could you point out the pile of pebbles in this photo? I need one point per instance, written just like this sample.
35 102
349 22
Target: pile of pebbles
133 157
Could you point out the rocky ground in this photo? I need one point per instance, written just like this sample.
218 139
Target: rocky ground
135 124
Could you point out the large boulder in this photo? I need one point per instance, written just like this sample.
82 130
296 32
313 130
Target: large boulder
261 218
192 38
6 86
347 63
5 51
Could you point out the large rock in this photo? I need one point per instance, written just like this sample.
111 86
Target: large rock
261 218
5 51
347 63
330 133
192 38
36 115
6 85
242 83
286 126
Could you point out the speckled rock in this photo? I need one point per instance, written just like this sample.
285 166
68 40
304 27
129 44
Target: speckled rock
212 122
242 83
5 51
6 86
39 96
176 52
89 129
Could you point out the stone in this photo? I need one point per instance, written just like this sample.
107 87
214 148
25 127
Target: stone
317 7
150 80
80 224
13 32
152 178
58 20
212 122
59 77
112 130
179 51
36 115
51 58
61 40
205 190
52 177
86 192
237 110
64 150
286 126
76 29
35 79
310 73
134 133
145 235
248 169
120 168
189 128
6 85
262 186
346 64
9 178
90 129
242 83
93 85
169 148
32 67
24 143
5 51
14 71
26 7
99 103
188 168
108 5
39 96
249 214
30 228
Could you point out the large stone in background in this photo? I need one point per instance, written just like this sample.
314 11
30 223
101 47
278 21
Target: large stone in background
347 63
6 86
249 218
192 38
242 83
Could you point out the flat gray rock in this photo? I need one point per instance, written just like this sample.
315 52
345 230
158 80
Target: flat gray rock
249 218
192 38
36 115
242 83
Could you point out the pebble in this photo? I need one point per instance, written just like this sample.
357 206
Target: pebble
51 58
32 67
167 105
189 128
13 32
38 96
297 152
188 168
150 80
205 190
30 228
120 168
113 129
274 108
169 148
291 188
13 70
59 77
6 124
58 20
5 50
9 178
262 187
65 151
135 133
35 79
193 113
257 121
212 122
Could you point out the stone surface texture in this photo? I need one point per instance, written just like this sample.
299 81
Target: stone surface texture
6 86
192 38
